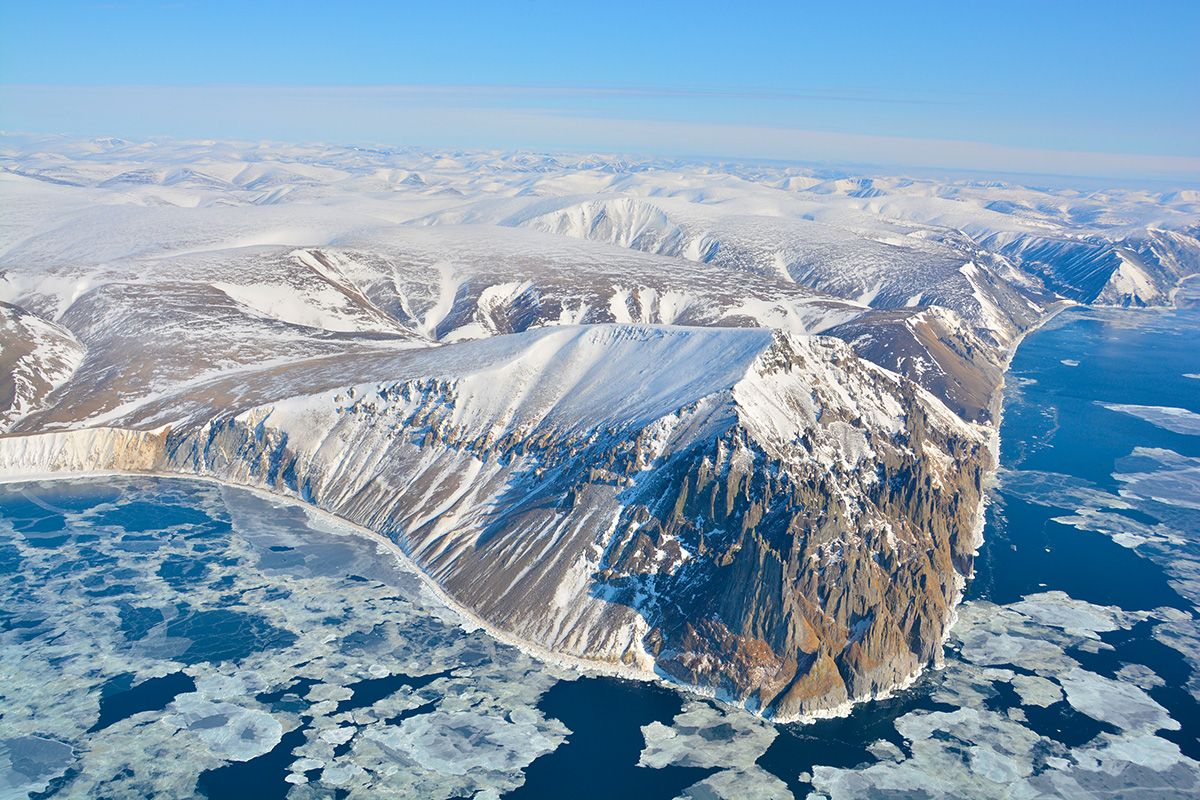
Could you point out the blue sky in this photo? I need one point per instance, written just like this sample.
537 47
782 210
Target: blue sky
1088 87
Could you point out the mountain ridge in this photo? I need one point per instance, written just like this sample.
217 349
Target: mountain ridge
731 427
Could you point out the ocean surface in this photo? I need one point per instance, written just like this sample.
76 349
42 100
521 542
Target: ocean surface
170 637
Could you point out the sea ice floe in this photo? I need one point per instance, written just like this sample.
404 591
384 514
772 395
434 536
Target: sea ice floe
1075 617
1183 635
1164 476
1036 691
328 691
968 750
703 735
994 635
752 783
975 751
28 764
1124 766
338 735
1177 420
462 742
1124 530
1122 705
313 615
1140 675
228 731
1057 490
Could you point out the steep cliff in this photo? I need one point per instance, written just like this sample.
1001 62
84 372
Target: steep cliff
760 516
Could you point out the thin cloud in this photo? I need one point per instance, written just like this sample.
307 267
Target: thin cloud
475 117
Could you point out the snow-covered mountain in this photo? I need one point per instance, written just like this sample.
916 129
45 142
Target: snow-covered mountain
623 493
725 424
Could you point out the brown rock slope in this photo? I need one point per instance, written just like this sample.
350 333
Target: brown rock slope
761 516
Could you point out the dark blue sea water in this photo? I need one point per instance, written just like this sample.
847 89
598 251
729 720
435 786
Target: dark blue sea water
1055 423
168 637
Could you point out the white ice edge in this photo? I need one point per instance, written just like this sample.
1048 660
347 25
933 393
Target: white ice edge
471 622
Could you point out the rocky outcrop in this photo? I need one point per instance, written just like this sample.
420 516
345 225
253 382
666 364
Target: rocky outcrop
83 450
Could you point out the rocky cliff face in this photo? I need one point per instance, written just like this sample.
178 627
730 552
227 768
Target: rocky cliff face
852 535
760 516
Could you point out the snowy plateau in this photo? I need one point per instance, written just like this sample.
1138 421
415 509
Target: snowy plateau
730 426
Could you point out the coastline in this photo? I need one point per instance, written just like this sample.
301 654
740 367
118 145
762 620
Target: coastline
997 405
582 666
466 619
989 482
469 621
